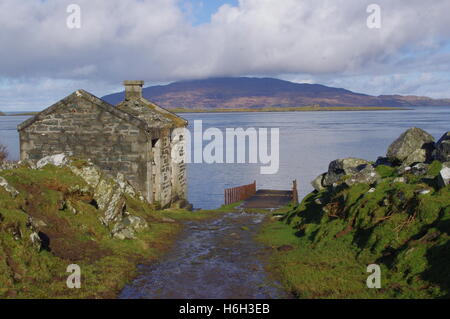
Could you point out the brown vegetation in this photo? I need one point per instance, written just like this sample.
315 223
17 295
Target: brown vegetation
3 153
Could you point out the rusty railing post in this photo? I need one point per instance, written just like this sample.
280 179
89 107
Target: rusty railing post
294 192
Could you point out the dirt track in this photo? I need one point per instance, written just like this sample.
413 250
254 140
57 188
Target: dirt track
213 259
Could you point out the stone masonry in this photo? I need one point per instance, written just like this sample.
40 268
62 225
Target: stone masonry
137 138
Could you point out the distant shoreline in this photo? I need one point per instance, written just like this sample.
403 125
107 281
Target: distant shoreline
266 109
20 114
289 109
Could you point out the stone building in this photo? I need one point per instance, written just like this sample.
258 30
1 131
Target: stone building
137 138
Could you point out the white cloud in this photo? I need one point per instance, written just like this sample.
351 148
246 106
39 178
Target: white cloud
154 40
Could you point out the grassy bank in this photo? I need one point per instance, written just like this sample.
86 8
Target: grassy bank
333 235
285 109
49 197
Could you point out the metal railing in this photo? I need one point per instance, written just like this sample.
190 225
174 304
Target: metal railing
236 194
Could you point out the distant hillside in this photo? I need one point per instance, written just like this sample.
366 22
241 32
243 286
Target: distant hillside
2 114
265 92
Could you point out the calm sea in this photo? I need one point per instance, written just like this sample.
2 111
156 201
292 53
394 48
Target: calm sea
308 142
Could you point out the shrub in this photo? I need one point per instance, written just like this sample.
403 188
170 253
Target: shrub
3 153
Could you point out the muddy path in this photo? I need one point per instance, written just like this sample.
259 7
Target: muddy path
212 259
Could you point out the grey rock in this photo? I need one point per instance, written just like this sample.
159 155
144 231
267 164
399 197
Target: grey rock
418 156
35 223
56 160
5 165
317 183
404 169
179 204
168 220
109 193
11 190
444 177
36 240
400 180
443 148
28 163
70 207
125 233
419 169
127 228
383 161
342 167
409 142
368 175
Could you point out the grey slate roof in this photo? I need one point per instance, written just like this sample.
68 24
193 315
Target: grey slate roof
126 116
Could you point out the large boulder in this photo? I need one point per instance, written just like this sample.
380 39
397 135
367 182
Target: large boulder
443 148
410 144
343 167
418 156
109 193
368 175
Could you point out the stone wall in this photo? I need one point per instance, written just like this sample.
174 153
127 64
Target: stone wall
163 160
81 128
179 174
168 169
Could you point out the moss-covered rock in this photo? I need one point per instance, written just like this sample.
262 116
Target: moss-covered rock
409 144
402 224
51 218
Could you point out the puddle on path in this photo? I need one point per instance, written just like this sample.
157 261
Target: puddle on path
212 259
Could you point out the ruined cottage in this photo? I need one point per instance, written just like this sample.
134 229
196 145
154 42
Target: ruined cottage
137 138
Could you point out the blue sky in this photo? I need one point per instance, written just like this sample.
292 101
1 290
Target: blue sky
200 11
161 41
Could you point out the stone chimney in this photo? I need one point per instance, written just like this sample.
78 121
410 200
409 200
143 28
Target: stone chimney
133 89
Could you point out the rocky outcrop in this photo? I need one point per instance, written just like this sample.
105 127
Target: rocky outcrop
109 193
413 146
56 160
350 169
443 148
5 165
343 167
127 227
11 190
410 154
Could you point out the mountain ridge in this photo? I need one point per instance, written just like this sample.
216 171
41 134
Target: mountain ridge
248 92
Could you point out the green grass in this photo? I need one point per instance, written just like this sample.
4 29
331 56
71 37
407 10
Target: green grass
330 271
107 264
337 233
